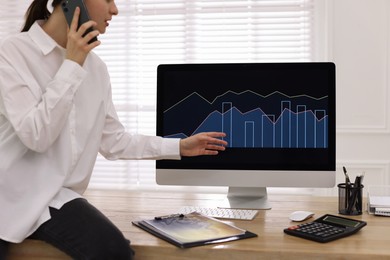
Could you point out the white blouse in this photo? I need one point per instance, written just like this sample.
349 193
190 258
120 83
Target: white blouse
55 116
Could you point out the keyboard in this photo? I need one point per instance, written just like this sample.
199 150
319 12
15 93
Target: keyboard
222 213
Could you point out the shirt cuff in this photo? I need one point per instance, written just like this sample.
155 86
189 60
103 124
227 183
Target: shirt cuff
72 73
171 148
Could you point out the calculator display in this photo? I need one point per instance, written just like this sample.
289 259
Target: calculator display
341 221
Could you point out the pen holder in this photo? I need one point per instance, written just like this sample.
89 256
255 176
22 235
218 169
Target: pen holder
350 199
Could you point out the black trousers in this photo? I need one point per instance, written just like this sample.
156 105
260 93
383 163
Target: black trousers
82 232
3 249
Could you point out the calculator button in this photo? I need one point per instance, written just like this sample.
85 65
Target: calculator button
293 227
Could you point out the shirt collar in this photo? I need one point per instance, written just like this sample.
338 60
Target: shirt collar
41 38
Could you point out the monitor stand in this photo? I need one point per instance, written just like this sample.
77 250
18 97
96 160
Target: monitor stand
247 198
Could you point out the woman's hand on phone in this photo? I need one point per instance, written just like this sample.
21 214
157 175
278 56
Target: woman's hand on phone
77 46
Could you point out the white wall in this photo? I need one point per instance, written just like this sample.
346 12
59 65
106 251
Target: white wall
358 33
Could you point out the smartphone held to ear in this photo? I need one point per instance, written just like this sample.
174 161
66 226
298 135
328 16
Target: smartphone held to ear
69 6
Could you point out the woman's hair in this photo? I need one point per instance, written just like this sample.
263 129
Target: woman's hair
37 11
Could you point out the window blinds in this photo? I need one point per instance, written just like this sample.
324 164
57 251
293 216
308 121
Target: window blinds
148 32
12 17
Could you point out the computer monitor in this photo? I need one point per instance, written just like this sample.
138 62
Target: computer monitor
279 120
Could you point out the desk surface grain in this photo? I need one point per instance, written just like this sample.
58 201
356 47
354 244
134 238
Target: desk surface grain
123 207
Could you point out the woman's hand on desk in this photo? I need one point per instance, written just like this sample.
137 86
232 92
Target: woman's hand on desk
208 143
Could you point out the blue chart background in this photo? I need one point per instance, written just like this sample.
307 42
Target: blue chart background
252 120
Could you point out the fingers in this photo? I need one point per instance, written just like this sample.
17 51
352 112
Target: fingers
213 138
75 20
88 33
208 143
215 147
213 143
215 134
210 152
80 42
85 30
218 141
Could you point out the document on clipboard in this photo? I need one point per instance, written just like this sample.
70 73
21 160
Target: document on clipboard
193 229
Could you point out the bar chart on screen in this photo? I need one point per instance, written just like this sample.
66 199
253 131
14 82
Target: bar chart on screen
253 120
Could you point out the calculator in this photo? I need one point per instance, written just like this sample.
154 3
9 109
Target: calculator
326 228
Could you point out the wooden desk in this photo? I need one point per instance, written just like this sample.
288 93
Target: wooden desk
122 207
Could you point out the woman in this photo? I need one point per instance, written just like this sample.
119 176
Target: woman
56 114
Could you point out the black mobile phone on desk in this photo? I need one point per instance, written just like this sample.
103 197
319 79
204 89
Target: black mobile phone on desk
69 6
326 228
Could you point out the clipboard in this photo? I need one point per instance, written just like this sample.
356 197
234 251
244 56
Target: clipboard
193 229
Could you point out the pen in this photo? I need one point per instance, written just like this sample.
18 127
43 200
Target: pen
355 199
355 192
347 180
347 189
169 216
359 197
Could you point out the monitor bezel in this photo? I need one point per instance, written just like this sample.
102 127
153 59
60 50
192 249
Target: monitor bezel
226 159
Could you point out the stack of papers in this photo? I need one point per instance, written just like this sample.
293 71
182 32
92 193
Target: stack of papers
378 201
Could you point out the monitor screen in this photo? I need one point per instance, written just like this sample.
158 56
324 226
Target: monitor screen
279 119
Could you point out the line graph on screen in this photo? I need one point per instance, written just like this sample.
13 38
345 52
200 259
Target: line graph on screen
252 120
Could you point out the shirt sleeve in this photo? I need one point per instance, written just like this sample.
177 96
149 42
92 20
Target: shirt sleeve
39 116
116 143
